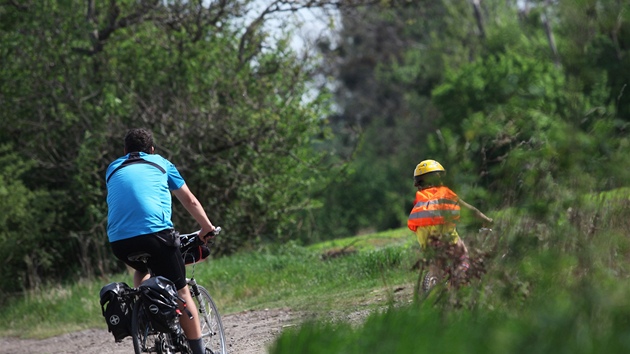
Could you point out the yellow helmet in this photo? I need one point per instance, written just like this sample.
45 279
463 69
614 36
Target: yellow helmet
427 166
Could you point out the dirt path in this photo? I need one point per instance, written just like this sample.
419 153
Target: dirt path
248 332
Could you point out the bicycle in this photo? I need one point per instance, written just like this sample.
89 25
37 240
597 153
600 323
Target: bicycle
442 268
147 339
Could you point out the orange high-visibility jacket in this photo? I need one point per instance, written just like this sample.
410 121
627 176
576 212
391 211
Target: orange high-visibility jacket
434 206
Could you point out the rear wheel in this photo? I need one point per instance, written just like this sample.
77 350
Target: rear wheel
210 321
145 338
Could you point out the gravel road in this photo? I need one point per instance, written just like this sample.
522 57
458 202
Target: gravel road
248 332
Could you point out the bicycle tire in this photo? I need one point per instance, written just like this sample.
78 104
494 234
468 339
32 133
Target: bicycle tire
210 321
429 281
140 331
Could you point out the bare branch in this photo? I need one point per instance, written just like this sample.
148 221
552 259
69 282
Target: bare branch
89 14
549 32
113 23
293 5
248 39
479 17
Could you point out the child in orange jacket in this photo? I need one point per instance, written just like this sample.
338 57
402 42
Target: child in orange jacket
436 212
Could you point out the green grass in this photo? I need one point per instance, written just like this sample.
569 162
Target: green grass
58 309
301 278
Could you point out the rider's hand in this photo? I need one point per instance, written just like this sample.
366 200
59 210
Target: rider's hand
207 234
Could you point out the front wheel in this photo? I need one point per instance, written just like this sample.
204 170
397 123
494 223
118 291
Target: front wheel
210 321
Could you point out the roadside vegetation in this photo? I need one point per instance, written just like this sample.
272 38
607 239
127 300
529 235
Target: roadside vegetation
558 287
303 278
548 287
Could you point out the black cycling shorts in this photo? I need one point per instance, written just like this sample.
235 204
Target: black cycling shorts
166 260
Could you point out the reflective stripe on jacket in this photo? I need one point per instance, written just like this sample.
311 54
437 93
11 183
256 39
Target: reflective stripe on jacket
434 206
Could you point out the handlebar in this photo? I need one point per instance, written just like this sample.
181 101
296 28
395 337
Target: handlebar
188 241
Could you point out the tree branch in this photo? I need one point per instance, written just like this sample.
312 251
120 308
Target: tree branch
549 32
479 17
20 7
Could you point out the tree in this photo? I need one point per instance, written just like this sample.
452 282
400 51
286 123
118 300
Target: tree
225 100
501 92
386 60
596 42
24 215
533 133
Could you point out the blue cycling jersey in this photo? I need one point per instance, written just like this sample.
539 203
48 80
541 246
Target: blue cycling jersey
139 196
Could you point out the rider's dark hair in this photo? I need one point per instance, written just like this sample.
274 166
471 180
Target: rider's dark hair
427 180
139 140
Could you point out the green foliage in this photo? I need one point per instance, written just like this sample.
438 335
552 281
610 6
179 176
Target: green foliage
371 182
23 220
562 328
514 123
594 39
512 119
550 287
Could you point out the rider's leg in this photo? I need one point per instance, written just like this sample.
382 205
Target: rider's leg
464 262
437 268
191 327
167 261
438 257
461 262
139 277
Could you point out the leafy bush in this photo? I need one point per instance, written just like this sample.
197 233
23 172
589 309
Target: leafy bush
25 216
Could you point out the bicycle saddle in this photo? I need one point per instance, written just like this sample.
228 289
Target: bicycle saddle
139 257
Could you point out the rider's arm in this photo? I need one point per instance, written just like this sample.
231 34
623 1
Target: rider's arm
194 207
476 211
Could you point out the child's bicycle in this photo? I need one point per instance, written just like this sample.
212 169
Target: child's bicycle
154 312
442 266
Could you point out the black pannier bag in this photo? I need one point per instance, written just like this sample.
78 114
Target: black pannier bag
159 298
116 309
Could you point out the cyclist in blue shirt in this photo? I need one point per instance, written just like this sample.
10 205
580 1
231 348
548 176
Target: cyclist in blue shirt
139 187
